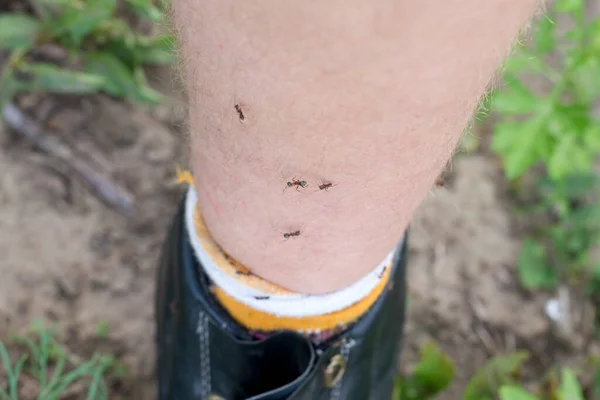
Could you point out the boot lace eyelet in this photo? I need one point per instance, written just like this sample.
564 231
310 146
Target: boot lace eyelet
335 371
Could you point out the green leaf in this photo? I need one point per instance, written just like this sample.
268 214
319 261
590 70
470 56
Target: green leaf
157 50
569 386
433 373
515 98
586 79
533 271
496 373
18 31
120 81
577 186
522 60
146 8
10 86
145 94
399 386
123 47
569 5
544 39
519 143
515 393
51 78
78 22
568 158
594 34
591 138
596 382
568 120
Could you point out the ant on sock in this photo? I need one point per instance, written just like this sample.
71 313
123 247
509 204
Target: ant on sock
243 271
262 297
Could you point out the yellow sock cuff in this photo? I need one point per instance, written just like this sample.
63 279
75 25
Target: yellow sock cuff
260 320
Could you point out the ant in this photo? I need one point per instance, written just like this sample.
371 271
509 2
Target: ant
441 179
325 186
243 271
382 272
262 297
291 234
297 183
239 111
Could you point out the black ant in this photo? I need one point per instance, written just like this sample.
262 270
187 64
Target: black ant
243 271
239 111
262 297
325 186
382 272
297 183
291 234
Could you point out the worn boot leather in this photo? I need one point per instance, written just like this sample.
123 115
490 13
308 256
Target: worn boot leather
204 355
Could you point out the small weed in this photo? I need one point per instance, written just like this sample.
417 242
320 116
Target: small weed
102 329
497 379
101 51
52 369
433 373
557 129
568 389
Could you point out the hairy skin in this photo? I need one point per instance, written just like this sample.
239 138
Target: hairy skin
369 96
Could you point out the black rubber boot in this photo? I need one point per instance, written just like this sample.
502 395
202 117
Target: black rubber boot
204 355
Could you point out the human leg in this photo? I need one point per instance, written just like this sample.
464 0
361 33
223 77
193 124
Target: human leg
326 123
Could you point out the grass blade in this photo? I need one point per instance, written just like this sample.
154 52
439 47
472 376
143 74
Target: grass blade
45 337
13 375
58 370
54 392
97 381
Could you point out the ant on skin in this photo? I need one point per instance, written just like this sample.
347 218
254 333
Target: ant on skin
297 183
239 111
441 179
325 186
291 234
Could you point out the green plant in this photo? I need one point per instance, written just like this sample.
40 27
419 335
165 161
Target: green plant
52 369
497 379
102 329
102 52
433 373
497 372
569 389
557 129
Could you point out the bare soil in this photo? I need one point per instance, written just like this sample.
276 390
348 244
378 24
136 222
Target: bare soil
73 261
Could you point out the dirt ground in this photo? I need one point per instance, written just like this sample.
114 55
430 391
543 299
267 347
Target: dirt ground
71 260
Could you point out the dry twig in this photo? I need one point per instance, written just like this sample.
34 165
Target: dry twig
100 185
